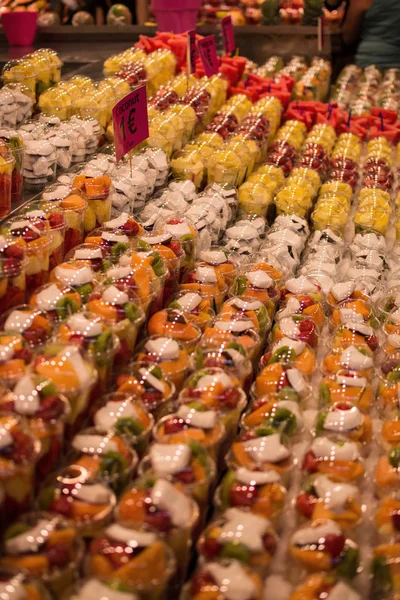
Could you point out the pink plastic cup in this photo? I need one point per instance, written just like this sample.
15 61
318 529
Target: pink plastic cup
176 15
20 27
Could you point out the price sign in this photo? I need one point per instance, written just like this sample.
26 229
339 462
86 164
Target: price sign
208 54
192 51
130 121
228 34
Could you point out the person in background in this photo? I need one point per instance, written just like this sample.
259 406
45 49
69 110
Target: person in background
375 26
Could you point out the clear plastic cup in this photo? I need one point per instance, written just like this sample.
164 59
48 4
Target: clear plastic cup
33 324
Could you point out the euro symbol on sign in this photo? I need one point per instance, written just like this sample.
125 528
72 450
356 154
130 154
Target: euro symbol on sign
131 121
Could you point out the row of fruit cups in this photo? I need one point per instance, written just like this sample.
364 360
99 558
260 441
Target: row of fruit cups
60 365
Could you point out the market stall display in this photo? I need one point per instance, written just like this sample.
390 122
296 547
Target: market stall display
209 361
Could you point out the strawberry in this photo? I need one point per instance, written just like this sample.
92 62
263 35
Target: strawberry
57 555
307 332
56 220
310 463
210 548
174 425
62 506
334 544
186 476
130 227
14 251
242 495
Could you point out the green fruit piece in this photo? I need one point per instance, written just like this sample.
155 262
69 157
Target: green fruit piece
265 430
199 453
238 347
225 490
263 318
283 355
320 424
84 291
382 584
175 305
236 552
324 394
46 497
394 376
112 464
349 562
285 421
394 457
142 245
117 250
287 393
119 586
66 306
104 341
48 389
199 362
16 529
157 372
128 427
197 406
132 311
240 285
158 264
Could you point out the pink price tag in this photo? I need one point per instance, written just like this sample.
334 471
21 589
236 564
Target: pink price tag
192 49
228 34
208 54
130 121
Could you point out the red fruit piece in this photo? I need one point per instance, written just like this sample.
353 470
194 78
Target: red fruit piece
230 397
305 504
269 543
56 220
310 463
23 354
14 251
130 227
242 495
58 556
186 476
51 408
174 425
62 506
11 267
158 519
200 582
35 335
308 332
334 544
210 548
372 342
396 520
176 248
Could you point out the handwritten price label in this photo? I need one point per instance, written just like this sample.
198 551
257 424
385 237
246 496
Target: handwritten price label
192 51
208 54
130 121
228 35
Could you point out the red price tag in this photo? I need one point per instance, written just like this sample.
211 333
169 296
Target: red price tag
192 50
130 121
228 34
208 54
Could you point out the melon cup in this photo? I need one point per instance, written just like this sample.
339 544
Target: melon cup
323 546
45 546
74 375
346 386
189 465
76 274
153 264
170 355
174 324
92 255
98 192
281 416
165 507
121 309
18 582
106 458
33 324
58 301
216 390
125 415
136 559
36 400
74 207
172 254
97 339
208 282
198 424
37 236
138 278
147 382
262 450
15 358
18 460
226 538
228 355
243 331
221 579
256 492
197 308
13 263
86 505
